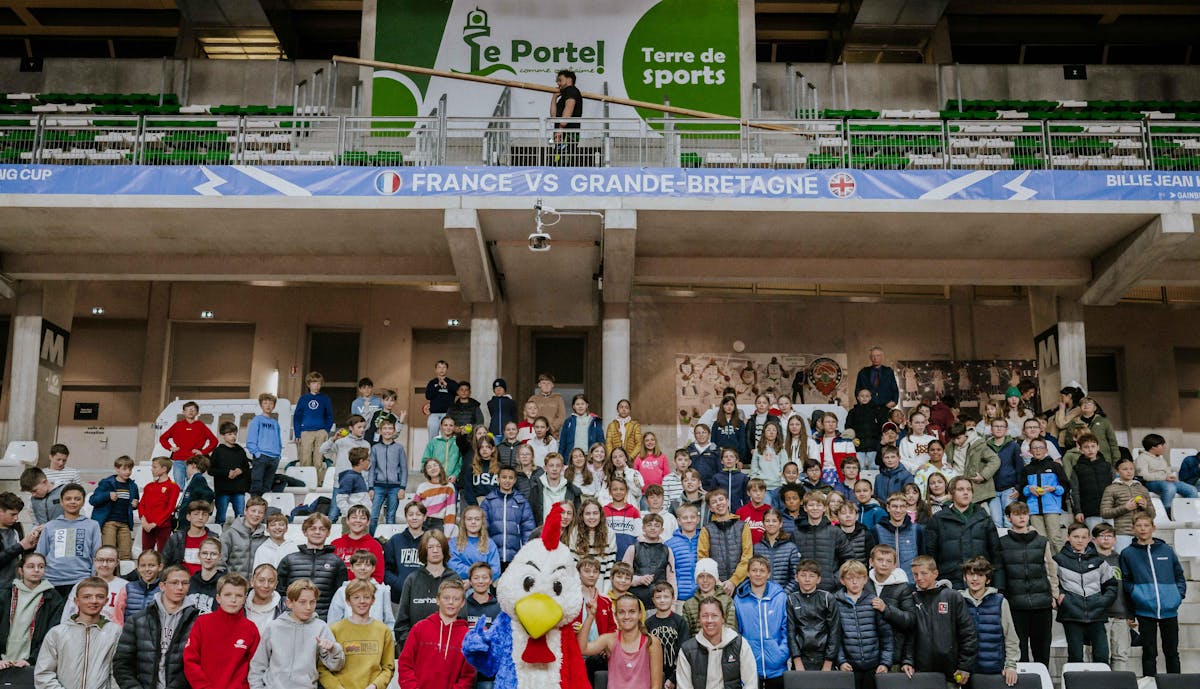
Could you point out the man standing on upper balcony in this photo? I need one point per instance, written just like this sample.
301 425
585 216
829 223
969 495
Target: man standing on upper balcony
567 103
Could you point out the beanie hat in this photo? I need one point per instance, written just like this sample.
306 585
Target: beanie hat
499 383
707 565
1012 392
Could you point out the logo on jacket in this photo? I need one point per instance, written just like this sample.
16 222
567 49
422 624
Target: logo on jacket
240 643
313 404
943 608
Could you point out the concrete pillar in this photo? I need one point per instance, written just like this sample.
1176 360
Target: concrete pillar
1060 344
615 355
485 355
41 330
962 323
154 368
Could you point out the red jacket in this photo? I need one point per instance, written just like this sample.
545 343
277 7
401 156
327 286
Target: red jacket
432 657
218 651
753 516
188 437
842 449
344 546
158 501
605 620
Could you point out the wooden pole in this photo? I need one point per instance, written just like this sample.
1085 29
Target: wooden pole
603 98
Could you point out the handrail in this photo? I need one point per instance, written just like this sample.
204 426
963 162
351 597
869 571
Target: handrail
51 138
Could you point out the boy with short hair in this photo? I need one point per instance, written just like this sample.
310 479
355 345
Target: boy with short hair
362 565
1123 500
57 473
893 475
668 627
589 573
819 540
998 651
295 644
230 468
78 653
657 503
814 627
728 538
366 403
272 550
621 580
899 532
706 587
752 512
183 547
221 643
1025 559
312 421
893 596
651 559
731 479
202 589
481 604
943 638
1045 484
382 415
264 442
761 608
338 448
672 483
401 552
352 488
866 643
195 488
14 542
859 538
683 547
1090 475
113 503
45 498
421 663
314 561
157 505
69 542
705 455
870 512
242 539
389 473
1120 617
368 643
356 538
187 438
501 408
1153 578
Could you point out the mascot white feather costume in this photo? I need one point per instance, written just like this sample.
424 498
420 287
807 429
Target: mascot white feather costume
531 644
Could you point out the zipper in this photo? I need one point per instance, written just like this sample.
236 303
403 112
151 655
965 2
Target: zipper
87 639
1154 580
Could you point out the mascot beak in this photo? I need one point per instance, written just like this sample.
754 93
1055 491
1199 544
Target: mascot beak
538 614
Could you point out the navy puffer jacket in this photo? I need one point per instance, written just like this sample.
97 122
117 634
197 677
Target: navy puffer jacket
866 638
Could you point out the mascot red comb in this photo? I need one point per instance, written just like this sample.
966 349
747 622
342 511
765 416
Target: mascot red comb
531 644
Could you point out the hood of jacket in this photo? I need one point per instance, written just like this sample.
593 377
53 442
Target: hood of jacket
972 600
41 587
264 609
896 577
727 635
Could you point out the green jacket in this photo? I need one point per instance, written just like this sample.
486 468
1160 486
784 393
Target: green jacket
981 459
1102 428
444 450
691 610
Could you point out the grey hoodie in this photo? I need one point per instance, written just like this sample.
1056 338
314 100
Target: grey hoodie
238 546
78 656
287 654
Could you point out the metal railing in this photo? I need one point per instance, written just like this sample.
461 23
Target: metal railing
601 142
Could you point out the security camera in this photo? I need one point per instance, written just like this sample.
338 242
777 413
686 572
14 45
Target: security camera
539 241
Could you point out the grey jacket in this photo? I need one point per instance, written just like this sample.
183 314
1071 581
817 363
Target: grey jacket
78 656
238 546
287 654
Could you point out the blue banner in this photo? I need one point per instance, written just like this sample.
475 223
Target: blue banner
550 182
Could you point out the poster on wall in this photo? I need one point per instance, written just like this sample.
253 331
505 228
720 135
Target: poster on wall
647 50
973 383
807 378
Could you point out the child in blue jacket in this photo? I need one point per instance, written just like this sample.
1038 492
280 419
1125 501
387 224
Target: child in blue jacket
1045 484
1153 578
113 505
866 643
762 607
509 516
732 479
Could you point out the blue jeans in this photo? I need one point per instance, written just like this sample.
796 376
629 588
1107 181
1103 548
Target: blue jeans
334 512
179 474
222 506
262 474
999 504
386 497
1167 490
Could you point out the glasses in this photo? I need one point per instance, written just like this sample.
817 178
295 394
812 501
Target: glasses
106 560
208 555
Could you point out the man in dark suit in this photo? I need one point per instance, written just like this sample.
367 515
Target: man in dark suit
880 380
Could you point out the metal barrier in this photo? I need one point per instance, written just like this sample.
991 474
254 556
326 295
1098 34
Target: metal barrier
601 142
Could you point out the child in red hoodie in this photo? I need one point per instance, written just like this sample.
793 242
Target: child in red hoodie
186 438
432 657
221 643
753 512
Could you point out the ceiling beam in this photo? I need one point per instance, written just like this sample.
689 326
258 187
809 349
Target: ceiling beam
92 31
84 4
1075 7
796 7
914 271
1124 265
792 34
469 255
199 268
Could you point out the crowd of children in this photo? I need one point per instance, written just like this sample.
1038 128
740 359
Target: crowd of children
758 549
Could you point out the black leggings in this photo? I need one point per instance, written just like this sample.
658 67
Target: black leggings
1149 628
1033 633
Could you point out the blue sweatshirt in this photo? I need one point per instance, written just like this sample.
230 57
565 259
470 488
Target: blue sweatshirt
313 413
263 438
389 465
68 546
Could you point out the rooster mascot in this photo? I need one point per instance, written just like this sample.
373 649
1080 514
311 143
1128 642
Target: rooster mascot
531 644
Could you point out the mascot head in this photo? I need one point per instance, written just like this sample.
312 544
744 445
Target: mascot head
540 590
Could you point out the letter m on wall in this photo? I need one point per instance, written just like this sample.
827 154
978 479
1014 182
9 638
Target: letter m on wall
1046 348
54 345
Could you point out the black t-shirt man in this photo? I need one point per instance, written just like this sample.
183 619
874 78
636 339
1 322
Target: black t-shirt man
568 95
